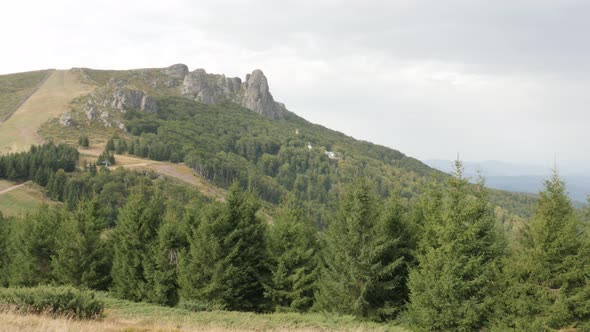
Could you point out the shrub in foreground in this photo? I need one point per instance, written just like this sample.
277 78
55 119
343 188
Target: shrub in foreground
55 301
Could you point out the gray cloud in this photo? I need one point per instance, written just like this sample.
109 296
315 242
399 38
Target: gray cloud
502 80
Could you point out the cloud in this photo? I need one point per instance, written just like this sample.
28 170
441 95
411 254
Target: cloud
489 79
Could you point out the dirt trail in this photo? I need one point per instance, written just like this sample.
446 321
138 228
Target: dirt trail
50 100
11 188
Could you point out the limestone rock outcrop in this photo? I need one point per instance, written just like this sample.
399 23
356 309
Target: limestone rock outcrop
253 93
178 71
133 99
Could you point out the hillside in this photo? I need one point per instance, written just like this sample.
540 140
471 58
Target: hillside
224 129
16 88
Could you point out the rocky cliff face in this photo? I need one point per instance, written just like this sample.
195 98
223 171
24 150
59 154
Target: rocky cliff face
253 93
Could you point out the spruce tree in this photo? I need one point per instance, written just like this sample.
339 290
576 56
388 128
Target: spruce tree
121 146
458 257
357 260
110 145
84 141
34 246
226 263
82 258
293 251
161 270
548 275
134 236
4 251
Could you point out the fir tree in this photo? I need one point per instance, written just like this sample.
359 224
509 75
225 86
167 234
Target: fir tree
56 184
226 263
84 141
110 145
357 264
34 245
4 251
161 269
548 275
134 236
452 286
121 146
82 258
292 244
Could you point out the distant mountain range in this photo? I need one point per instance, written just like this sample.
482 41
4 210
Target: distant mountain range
518 177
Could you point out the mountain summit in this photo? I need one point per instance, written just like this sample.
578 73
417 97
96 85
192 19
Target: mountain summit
253 93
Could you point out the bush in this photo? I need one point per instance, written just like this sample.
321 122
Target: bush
55 301
198 306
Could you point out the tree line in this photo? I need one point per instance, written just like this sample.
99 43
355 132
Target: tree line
440 262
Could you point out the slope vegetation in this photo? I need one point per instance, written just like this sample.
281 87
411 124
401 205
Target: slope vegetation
50 100
16 88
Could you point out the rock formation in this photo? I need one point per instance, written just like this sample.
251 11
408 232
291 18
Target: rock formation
133 99
253 93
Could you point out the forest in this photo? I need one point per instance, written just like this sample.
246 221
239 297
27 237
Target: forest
437 261
227 143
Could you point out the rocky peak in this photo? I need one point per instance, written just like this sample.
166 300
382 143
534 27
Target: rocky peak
253 93
178 70
258 98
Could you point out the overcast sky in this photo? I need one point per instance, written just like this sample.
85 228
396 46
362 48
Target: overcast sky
502 80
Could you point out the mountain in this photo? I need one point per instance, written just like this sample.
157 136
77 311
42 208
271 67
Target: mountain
217 129
518 177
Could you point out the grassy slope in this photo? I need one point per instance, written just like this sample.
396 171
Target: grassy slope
20 200
123 315
19 132
15 88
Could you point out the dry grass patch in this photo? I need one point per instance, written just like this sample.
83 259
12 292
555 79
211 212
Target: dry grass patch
22 199
53 98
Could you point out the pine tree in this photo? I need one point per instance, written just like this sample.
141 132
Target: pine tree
226 263
357 264
134 236
82 258
84 141
4 251
548 275
458 257
110 145
56 184
121 146
294 271
34 245
161 269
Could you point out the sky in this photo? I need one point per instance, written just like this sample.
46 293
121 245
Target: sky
489 80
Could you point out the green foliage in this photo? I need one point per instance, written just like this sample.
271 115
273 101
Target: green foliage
134 236
548 277
226 263
55 301
106 158
4 251
38 162
363 273
121 146
82 258
34 246
110 145
162 268
227 143
453 285
83 141
293 252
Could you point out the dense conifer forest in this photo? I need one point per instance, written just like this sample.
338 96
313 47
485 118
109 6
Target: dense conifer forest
439 262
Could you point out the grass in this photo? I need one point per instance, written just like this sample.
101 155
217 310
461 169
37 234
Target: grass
123 315
52 98
15 88
22 199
